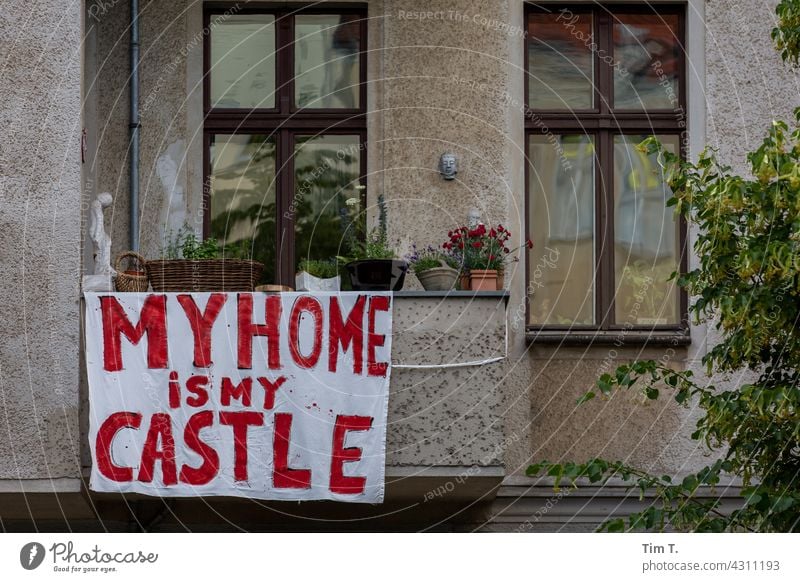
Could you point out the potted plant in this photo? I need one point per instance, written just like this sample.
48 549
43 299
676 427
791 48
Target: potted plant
315 275
188 264
372 264
435 269
483 254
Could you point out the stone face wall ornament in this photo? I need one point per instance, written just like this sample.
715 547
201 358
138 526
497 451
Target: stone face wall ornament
448 167
102 273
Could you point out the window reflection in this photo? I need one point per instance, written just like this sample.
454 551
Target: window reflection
327 61
243 61
561 263
560 61
242 205
327 170
646 47
645 234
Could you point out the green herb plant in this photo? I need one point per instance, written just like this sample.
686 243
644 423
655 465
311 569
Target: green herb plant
185 245
371 245
322 269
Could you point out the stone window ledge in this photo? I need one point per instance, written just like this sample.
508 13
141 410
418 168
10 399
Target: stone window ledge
619 338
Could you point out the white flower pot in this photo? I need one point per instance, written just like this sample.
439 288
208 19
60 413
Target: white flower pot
308 282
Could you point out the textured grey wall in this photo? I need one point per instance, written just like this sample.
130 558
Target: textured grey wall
455 83
747 84
40 229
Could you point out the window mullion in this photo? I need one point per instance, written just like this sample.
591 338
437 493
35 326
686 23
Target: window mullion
605 236
604 72
285 220
285 60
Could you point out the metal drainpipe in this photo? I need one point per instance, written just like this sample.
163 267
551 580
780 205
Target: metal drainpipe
134 127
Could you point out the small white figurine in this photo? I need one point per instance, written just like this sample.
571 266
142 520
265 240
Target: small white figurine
101 279
474 217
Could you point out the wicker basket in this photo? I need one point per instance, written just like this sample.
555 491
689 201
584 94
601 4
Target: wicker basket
134 280
204 274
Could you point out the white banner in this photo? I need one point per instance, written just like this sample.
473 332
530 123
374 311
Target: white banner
279 396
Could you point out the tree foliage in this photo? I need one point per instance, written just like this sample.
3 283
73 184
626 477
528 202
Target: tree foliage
748 282
786 34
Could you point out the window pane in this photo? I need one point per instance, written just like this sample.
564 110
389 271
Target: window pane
243 195
243 61
560 61
647 56
646 246
561 264
326 176
326 61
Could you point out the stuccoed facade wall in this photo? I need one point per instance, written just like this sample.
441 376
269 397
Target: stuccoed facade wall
40 256
747 84
454 83
170 180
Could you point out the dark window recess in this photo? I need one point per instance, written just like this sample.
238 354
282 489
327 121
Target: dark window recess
600 79
285 129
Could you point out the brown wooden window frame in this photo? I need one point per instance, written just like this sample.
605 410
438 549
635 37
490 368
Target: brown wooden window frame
603 123
284 121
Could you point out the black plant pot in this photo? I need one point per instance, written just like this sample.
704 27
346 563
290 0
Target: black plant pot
377 274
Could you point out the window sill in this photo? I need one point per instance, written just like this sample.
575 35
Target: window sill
618 338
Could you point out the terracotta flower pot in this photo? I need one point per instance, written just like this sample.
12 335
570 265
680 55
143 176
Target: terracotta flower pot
463 281
483 279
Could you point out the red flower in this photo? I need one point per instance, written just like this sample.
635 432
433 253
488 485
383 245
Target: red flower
477 244
461 245
491 257
493 233
529 243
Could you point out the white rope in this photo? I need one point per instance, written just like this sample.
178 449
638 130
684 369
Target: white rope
459 364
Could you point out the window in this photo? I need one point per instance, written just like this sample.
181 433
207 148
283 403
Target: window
285 130
600 79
